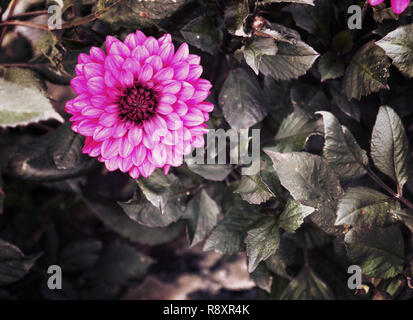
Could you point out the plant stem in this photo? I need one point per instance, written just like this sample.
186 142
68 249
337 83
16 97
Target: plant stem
388 189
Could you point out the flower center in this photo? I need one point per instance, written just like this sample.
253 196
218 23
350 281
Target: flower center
137 104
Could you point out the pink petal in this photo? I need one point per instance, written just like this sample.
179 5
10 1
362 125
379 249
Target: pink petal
146 73
151 44
166 52
186 92
108 119
96 85
134 172
91 70
375 2
97 54
126 78
126 147
140 36
112 164
135 135
181 70
164 75
155 62
78 84
102 133
114 63
181 54
205 106
399 5
131 41
164 108
110 148
125 164
195 72
138 155
140 53
87 127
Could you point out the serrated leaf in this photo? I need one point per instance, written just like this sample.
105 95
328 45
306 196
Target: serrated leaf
306 176
379 252
310 181
236 12
330 66
55 156
145 213
308 99
350 108
283 257
291 61
228 237
262 241
158 187
367 72
254 51
293 132
363 206
292 217
307 286
132 13
115 219
203 33
397 45
119 264
242 99
80 255
213 172
22 99
341 150
262 277
14 265
202 215
389 146
254 190
316 19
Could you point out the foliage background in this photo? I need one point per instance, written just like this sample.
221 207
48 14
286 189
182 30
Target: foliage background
335 111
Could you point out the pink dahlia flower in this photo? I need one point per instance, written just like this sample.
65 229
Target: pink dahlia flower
141 105
398 5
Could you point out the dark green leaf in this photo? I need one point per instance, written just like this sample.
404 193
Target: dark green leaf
228 237
80 255
293 132
119 264
330 66
283 257
236 12
307 286
290 62
23 99
115 219
242 99
398 46
293 215
213 172
254 190
55 156
254 51
379 252
145 213
341 150
365 207
389 146
308 99
367 72
262 277
306 176
202 215
316 20
203 33
262 241
14 265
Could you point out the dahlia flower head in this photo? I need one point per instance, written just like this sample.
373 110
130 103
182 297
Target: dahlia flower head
141 105
398 5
